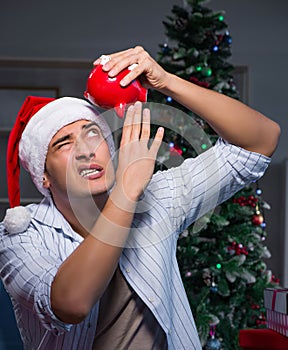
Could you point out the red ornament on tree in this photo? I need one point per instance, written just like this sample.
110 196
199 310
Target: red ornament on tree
237 248
257 219
246 201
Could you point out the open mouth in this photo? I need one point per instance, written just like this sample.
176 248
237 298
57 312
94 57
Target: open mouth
93 171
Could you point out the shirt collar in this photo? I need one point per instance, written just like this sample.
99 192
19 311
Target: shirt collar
46 213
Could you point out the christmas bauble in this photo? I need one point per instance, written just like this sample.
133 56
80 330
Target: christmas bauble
213 344
106 92
257 219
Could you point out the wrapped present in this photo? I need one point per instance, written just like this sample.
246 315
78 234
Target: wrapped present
276 304
262 339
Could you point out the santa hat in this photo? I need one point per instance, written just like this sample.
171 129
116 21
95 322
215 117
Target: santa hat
37 122
30 106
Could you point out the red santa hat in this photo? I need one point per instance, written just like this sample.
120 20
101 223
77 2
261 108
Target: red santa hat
30 106
37 122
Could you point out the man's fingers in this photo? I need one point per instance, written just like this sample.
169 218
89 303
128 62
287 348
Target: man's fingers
145 132
118 61
127 126
157 142
136 127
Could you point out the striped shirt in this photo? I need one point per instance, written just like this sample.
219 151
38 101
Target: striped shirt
173 200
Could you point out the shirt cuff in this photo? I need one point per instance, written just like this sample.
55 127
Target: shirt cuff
43 308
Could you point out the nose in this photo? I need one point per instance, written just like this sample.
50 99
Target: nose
84 150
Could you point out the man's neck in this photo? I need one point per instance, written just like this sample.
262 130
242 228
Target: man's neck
82 213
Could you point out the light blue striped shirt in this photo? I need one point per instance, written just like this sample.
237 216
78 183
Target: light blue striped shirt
174 199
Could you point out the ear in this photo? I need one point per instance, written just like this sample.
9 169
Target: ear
46 182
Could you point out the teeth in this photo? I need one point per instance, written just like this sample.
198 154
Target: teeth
89 172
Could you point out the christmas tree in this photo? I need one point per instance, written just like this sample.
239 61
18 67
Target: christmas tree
222 258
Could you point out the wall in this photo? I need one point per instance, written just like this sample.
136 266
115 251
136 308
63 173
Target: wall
82 31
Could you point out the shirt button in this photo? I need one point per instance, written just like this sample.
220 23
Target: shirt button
151 300
127 270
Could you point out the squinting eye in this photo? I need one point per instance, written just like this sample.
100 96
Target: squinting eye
63 145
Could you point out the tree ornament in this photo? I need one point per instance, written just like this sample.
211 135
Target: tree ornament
275 280
218 40
232 248
261 320
237 248
246 201
213 344
257 219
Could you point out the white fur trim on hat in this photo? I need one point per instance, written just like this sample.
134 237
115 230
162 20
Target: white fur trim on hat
44 125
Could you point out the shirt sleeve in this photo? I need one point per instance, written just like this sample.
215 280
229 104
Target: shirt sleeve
199 184
27 269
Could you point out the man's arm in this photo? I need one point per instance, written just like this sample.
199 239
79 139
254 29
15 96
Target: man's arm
231 119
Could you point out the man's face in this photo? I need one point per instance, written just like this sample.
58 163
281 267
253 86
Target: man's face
78 162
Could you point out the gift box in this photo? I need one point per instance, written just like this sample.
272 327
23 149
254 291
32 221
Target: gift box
262 339
275 302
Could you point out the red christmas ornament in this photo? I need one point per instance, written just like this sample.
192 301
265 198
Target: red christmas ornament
257 219
107 92
237 249
246 201
275 280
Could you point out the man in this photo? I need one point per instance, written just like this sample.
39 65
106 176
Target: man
95 267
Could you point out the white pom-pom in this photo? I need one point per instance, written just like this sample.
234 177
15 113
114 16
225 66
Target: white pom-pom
17 219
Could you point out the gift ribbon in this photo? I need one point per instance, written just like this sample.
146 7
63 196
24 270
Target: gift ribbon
275 291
